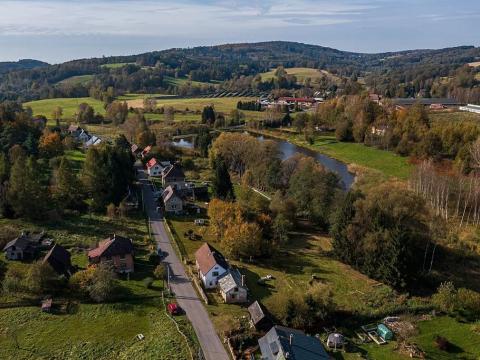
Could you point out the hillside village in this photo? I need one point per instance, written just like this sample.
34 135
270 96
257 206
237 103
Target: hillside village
291 213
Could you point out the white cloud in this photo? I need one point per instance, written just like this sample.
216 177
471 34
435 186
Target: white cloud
162 18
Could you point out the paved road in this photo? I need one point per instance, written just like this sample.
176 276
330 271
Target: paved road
182 287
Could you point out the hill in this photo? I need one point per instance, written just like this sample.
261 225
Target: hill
20 65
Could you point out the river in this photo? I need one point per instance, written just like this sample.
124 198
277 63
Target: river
288 149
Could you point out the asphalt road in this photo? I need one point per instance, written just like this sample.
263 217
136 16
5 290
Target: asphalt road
180 284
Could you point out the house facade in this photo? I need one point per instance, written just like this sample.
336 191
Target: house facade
174 176
116 251
211 265
232 287
172 202
154 168
21 248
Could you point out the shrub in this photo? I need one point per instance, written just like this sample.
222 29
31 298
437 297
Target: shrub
442 343
446 297
148 282
42 279
98 282
13 281
153 258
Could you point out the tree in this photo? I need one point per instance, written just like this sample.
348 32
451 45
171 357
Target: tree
208 115
85 114
281 227
243 239
57 114
25 192
117 112
222 185
103 284
221 214
41 278
67 191
51 145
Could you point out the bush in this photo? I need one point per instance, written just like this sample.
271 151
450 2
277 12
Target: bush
446 297
98 282
148 282
442 343
42 279
154 259
13 281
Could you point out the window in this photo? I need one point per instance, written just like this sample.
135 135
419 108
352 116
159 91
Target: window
215 273
123 257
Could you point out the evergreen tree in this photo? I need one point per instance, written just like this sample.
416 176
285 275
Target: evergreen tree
67 191
222 184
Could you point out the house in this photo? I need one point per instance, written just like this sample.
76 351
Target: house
59 259
437 107
232 287
379 130
93 141
172 201
211 265
78 133
173 175
146 151
285 343
258 319
21 248
470 108
135 149
116 251
375 98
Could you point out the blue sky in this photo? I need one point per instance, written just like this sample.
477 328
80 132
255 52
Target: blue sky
59 30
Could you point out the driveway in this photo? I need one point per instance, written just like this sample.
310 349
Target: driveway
179 282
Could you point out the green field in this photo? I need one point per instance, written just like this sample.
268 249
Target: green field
301 74
116 65
455 116
77 80
182 81
388 163
69 106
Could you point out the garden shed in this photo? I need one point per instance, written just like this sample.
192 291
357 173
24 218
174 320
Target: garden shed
384 332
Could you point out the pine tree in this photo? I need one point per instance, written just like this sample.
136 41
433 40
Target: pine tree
222 184
67 191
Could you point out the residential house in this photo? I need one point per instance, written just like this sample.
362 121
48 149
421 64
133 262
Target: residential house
135 150
156 168
211 265
173 175
21 248
470 108
59 259
232 287
146 151
93 141
258 318
282 343
172 201
78 133
116 251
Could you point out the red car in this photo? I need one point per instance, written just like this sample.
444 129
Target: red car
173 309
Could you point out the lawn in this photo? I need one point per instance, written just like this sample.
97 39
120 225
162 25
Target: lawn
386 162
221 104
77 80
301 74
116 65
76 157
453 116
69 106
182 81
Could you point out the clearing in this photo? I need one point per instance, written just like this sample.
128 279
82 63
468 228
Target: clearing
77 80
301 74
69 106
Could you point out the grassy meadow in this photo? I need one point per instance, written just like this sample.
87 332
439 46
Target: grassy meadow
69 106
301 74
77 80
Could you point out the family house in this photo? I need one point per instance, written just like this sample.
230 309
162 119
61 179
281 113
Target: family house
174 176
172 201
146 151
258 318
21 248
286 343
116 251
232 287
154 168
93 141
135 149
211 265
59 259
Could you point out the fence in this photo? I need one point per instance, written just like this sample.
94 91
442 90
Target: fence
176 240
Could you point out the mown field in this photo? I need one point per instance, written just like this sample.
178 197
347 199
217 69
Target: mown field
69 106
77 80
300 73
88 330
453 116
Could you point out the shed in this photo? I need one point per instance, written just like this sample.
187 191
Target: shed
258 318
335 341
47 305
384 332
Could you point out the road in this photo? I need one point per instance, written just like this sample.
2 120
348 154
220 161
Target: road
180 284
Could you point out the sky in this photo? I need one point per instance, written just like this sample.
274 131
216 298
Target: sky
61 30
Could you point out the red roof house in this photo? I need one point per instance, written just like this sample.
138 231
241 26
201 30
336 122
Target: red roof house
116 251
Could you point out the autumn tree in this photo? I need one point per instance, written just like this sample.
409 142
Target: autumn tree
243 239
57 114
51 145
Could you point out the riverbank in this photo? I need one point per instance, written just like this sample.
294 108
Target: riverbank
357 156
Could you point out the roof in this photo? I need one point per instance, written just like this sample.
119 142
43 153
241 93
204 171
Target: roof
134 148
294 99
169 193
296 343
146 150
73 128
116 245
173 171
256 312
424 101
22 242
151 163
231 280
59 259
207 257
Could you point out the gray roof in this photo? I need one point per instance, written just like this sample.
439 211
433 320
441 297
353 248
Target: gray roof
280 341
22 242
230 280
169 193
256 312
173 171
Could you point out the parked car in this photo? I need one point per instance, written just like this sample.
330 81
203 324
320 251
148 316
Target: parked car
174 309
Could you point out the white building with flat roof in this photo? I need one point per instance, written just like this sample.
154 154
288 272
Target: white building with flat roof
470 108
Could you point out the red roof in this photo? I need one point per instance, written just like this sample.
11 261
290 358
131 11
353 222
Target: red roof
146 150
116 245
207 257
151 163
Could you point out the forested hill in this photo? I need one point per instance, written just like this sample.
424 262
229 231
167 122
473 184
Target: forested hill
20 65
229 65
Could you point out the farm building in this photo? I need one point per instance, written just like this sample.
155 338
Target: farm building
116 251
285 343
59 259
211 265
258 318
21 248
232 287
471 108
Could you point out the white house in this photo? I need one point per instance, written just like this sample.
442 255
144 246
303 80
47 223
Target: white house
93 141
155 168
470 108
172 202
232 287
211 265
